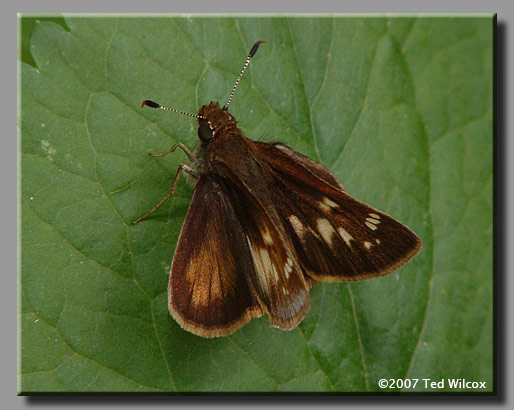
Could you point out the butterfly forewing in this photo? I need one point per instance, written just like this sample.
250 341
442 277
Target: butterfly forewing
317 169
209 291
336 236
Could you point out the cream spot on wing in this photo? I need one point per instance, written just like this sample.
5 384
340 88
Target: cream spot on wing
373 221
288 267
268 240
267 264
264 258
345 235
268 267
259 265
376 216
326 204
330 203
297 225
275 273
326 230
371 226
377 241
323 206
367 245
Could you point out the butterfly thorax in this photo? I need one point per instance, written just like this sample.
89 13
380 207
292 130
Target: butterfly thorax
219 136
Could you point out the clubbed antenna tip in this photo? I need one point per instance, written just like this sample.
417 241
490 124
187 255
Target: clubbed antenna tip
255 48
250 55
150 104
153 104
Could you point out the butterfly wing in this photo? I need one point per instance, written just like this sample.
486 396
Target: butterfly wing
279 280
337 237
316 168
209 292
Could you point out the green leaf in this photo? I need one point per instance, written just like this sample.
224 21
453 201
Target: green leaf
400 109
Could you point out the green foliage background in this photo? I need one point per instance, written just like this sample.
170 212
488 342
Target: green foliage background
399 108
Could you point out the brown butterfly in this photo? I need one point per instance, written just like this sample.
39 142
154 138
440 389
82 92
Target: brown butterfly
265 224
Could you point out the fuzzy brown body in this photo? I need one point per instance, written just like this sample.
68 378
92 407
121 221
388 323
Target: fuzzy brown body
266 223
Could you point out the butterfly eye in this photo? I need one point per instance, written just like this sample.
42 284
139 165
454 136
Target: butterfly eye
205 132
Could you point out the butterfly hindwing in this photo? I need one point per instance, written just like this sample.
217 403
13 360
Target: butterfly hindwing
209 289
279 279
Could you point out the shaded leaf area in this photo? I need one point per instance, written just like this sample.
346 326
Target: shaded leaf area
26 24
398 108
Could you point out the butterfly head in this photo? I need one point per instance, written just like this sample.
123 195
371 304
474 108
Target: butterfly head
211 119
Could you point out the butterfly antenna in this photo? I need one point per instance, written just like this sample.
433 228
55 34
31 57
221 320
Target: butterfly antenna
162 107
250 55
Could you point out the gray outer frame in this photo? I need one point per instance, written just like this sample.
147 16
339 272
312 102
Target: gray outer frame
505 198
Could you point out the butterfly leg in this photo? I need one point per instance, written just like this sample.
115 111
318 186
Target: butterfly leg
181 168
173 148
